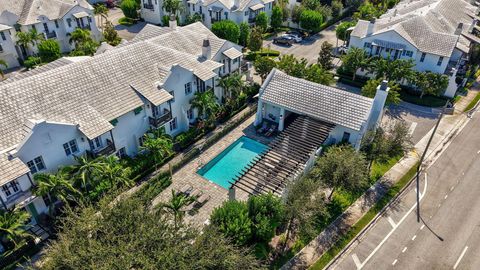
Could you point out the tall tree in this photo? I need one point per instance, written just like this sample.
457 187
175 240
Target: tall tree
27 39
173 6
56 186
49 50
176 206
315 73
341 167
244 37
311 20
101 11
226 29
325 56
355 59
263 66
342 32
84 43
205 103
256 39
292 65
430 83
232 85
159 146
114 173
86 171
277 17
110 34
392 69
13 227
261 21
370 89
129 9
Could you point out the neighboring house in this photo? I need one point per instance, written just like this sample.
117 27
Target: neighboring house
211 10
352 115
103 105
437 34
55 19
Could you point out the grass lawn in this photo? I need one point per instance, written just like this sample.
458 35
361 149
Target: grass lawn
378 169
364 221
472 103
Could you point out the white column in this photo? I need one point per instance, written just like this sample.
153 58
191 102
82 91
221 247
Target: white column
259 116
281 121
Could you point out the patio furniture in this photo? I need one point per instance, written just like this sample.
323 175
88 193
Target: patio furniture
202 200
186 189
262 129
271 130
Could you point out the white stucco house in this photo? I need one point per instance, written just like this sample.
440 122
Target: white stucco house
103 105
211 11
54 19
352 115
437 35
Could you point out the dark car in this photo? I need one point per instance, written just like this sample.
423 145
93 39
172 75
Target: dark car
286 40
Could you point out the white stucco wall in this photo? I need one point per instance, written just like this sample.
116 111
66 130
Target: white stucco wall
24 184
154 15
9 54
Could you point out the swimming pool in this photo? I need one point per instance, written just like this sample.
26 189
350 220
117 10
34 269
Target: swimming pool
224 167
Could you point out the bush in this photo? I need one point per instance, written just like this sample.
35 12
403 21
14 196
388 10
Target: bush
261 21
311 20
226 29
277 17
187 138
32 61
129 9
126 21
244 37
256 39
251 56
233 221
49 50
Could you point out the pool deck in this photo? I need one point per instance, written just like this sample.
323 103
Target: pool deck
188 175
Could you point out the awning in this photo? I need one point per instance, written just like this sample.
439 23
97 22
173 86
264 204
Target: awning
216 9
192 1
388 44
257 7
232 53
4 27
267 1
471 37
81 14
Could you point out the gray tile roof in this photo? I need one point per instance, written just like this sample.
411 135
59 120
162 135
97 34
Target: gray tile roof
232 53
230 4
322 102
28 11
424 23
10 169
94 91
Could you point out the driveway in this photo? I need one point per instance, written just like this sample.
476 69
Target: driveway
310 47
125 32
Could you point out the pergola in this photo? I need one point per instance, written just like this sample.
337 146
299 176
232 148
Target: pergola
285 156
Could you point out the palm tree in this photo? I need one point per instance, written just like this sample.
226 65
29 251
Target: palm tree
79 36
25 39
114 173
56 186
355 59
13 226
205 103
175 206
158 145
173 6
86 170
392 70
101 11
3 63
232 85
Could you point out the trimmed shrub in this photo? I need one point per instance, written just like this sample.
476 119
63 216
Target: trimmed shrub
226 29
49 50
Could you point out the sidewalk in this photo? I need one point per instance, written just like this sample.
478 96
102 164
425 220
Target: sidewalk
448 128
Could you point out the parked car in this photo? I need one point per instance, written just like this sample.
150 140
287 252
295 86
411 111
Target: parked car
296 37
286 40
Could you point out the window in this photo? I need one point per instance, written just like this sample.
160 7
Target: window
224 65
6 190
367 45
46 200
188 88
70 147
200 85
3 35
226 15
235 60
33 27
95 143
14 185
377 51
201 10
69 22
56 23
440 60
89 19
173 95
422 58
190 113
246 13
138 110
45 27
121 153
193 7
36 164
346 137
173 124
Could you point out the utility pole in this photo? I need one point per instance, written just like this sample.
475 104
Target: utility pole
419 167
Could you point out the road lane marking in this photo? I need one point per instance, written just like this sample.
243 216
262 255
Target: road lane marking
412 129
460 258
439 205
398 224
404 249
478 152
356 261
423 226
446 196
394 262
413 238
390 220
451 189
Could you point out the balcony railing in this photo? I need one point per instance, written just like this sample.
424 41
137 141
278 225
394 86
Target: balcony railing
105 151
158 121
148 6
20 198
51 34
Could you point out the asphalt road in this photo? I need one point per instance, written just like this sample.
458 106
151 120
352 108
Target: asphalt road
448 235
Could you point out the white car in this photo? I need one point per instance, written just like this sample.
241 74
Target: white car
295 37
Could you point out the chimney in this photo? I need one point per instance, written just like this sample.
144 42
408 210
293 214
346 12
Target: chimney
206 49
459 29
378 104
172 23
371 24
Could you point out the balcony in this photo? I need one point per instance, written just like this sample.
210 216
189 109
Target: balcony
86 26
51 34
105 151
148 6
158 121
20 199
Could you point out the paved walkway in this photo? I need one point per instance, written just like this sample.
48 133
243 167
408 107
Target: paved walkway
448 128
465 100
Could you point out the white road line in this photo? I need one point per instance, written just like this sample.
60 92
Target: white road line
446 196
413 238
412 129
394 262
451 188
478 152
439 205
356 261
390 220
398 224
423 226
460 258
404 249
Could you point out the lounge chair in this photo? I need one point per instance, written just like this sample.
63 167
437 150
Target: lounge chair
263 128
196 193
186 189
202 200
271 130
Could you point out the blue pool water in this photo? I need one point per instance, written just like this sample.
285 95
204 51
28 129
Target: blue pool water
224 167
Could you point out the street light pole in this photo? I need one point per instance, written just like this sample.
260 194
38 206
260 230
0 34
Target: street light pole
419 167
